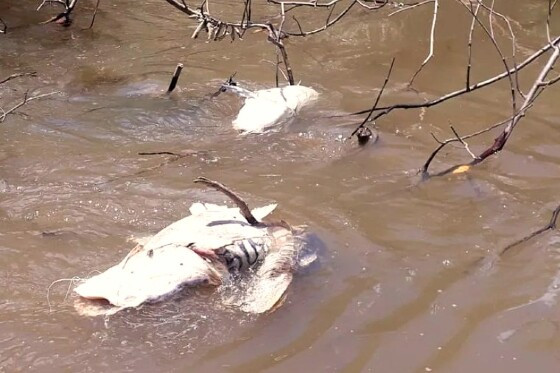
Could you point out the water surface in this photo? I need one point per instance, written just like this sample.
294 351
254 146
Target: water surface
397 289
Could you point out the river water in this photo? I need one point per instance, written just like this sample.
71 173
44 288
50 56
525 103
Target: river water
399 286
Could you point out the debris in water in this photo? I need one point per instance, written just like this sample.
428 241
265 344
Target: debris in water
267 107
204 248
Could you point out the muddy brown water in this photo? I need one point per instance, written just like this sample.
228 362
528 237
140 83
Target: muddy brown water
397 288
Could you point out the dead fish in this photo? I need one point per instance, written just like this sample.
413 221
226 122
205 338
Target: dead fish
203 248
266 108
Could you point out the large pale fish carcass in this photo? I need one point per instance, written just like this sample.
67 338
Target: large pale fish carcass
203 248
266 108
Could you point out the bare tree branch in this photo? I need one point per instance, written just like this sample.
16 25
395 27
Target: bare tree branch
387 109
498 49
17 75
550 226
64 17
25 100
243 207
94 14
470 46
539 85
432 37
387 77
462 141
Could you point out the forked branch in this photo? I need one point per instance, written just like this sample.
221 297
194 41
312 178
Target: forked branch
550 226
539 85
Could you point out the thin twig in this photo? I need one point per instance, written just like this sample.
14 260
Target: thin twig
550 226
17 75
376 99
94 14
512 37
432 37
328 24
539 85
26 99
490 16
463 142
173 157
387 109
498 49
470 46
442 144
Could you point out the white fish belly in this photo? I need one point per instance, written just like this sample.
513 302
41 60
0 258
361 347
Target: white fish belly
148 276
268 107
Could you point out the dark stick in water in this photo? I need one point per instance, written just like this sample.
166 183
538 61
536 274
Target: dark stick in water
371 111
243 208
175 78
551 225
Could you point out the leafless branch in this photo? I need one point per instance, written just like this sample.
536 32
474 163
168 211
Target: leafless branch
173 157
498 49
490 16
551 6
387 77
442 144
328 23
539 85
432 37
25 100
242 205
475 13
17 75
387 109
94 14
462 141
64 17
550 226
492 12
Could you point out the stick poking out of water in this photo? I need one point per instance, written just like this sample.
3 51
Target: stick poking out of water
175 78
243 208
550 226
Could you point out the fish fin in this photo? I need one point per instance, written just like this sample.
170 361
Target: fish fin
197 208
261 212
140 240
93 308
274 275
266 293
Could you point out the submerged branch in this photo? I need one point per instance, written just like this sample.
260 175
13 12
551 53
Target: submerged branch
550 226
17 75
25 100
94 15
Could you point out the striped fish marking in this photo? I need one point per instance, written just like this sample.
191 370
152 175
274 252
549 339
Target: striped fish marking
243 254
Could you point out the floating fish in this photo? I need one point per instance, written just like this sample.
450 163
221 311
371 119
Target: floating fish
267 107
203 248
